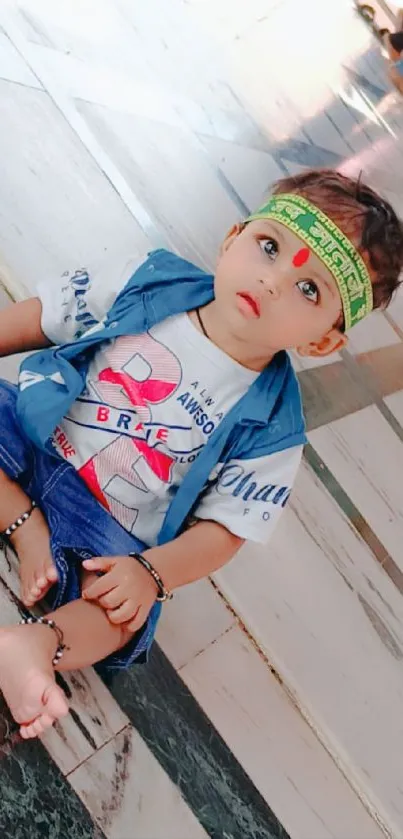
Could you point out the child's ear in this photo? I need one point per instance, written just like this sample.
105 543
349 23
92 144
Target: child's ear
333 341
230 237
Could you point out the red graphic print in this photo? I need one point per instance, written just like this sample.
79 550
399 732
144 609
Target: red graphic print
142 372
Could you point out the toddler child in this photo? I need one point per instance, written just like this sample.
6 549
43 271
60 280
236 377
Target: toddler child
154 432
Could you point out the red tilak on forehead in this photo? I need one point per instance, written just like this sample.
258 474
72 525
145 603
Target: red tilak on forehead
301 257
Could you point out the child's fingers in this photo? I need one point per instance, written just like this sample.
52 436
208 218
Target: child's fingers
126 612
99 563
99 587
113 599
137 621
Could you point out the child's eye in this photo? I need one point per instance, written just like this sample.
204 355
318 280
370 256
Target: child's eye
309 289
270 247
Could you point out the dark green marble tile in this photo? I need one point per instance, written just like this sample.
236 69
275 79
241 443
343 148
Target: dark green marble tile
182 738
36 801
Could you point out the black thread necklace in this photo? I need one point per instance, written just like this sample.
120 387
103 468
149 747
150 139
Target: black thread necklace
202 327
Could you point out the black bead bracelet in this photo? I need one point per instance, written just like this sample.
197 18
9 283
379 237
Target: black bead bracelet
163 593
18 522
61 646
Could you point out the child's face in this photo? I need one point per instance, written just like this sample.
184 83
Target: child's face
274 293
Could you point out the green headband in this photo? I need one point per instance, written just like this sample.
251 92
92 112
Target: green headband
332 247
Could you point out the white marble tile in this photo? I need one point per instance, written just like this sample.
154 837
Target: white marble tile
395 403
12 287
368 162
323 133
231 20
293 168
309 363
195 618
396 199
9 366
366 457
5 298
9 569
274 744
57 209
250 172
299 95
96 82
118 84
129 794
347 124
64 28
331 623
94 719
362 109
9 613
373 67
196 209
371 334
395 310
12 67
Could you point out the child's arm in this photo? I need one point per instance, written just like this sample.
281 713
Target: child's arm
196 553
20 327
127 591
244 502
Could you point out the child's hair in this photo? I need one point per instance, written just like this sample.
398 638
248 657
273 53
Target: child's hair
367 219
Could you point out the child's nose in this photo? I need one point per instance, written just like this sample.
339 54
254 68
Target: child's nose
272 286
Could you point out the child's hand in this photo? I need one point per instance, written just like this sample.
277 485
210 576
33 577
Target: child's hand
126 590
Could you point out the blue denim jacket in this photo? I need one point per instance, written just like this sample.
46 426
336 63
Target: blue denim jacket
267 419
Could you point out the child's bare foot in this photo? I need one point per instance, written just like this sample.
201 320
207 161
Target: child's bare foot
37 571
27 678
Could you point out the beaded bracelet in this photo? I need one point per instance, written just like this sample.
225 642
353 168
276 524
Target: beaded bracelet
18 522
163 593
61 646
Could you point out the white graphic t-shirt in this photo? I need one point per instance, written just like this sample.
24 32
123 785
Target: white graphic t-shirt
150 404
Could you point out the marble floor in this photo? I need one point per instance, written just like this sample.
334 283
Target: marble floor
271 706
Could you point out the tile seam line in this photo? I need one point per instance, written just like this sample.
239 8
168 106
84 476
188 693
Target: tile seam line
393 323
241 206
353 366
20 84
374 808
146 222
221 635
81 763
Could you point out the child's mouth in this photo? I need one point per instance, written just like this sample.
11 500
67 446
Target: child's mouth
248 304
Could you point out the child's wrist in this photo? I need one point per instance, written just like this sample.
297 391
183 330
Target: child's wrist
163 593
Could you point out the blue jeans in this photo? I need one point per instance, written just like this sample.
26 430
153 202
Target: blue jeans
79 526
